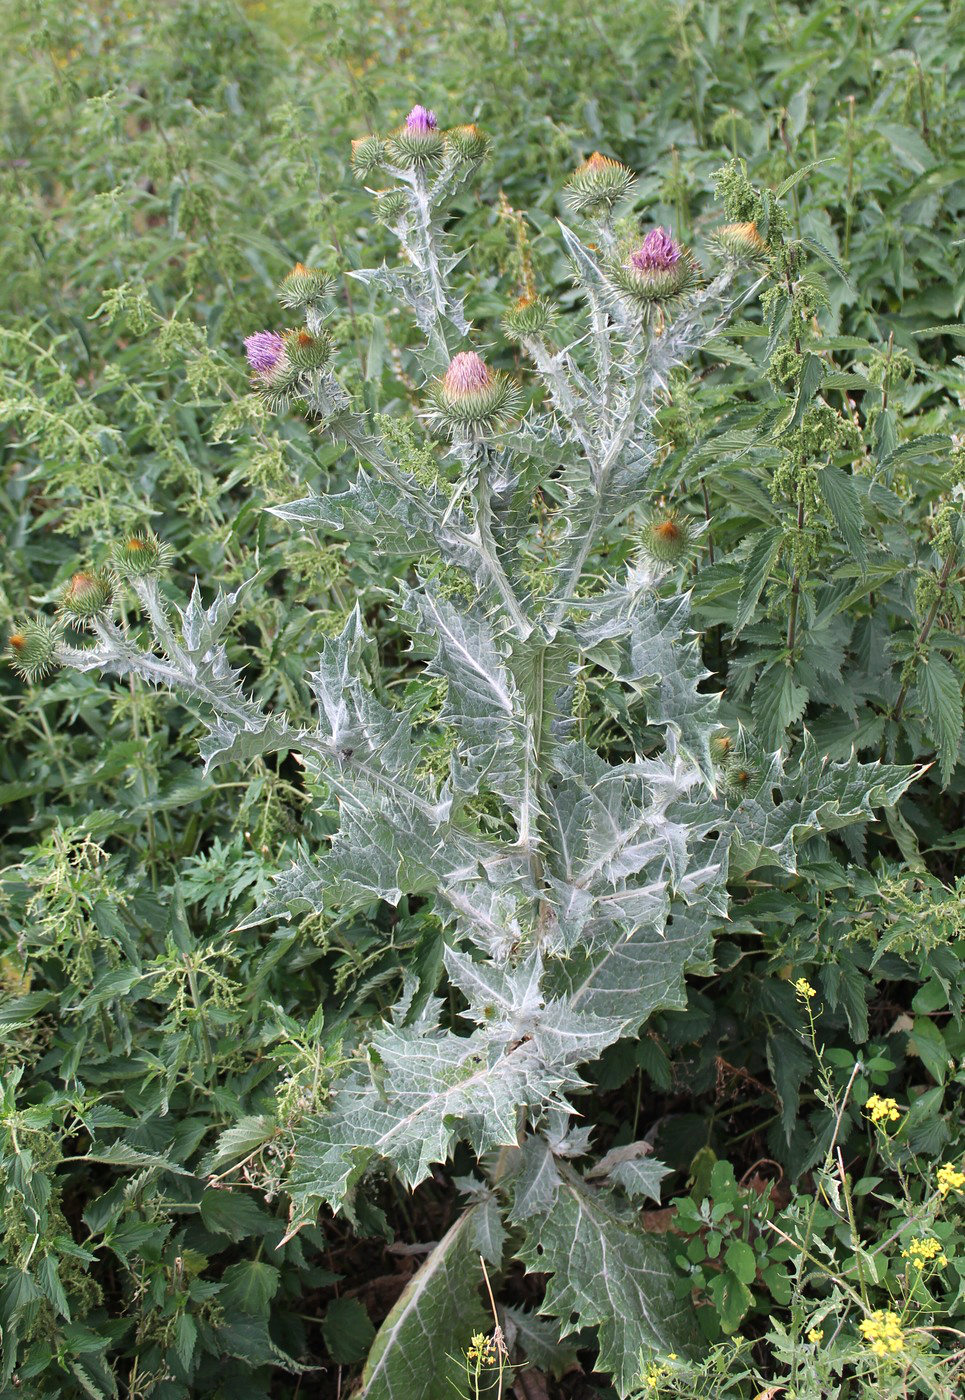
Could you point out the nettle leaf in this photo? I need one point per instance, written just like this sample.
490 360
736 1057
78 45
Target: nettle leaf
418 1352
606 1271
939 688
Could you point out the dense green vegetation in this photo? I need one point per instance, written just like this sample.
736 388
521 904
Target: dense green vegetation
163 167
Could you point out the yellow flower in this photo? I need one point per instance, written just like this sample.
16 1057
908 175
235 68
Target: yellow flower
924 1251
949 1179
883 1333
881 1110
815 1335
804 989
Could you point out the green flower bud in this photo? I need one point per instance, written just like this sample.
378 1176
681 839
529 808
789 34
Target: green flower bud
86 597
303 287
667 536
660 270
391 206
741 242
597 185
417 142
33 648
467 143
529 316
140 556
368 155
304 351
471 396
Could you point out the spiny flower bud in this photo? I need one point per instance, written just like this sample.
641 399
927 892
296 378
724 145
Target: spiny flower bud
529 316
391 206
418 141
659 269
472 396
742 242
33 648
740 775
597 185
265 351
86 596
303 287
722 747
140 556
304 351
667 536
467 143
368 155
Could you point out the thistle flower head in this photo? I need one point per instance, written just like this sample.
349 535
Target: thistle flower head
304 351
467 143
742 242
657 270
303 287
391 206
421 120
667 536
418 141
471 396
597 185
368 155
468 373
33 648
529 316
656 253
140 556
86 596
264 349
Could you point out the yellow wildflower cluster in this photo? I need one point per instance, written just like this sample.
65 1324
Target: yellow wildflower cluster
949 1179
925 1250
881 1110
816 1335
804 989
481 1349
654 1374
883 1333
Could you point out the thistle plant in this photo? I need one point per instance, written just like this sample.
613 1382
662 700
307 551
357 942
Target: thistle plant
575 892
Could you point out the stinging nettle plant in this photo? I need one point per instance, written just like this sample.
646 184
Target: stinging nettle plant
575 892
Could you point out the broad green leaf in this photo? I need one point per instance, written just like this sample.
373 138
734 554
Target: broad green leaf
418 1351
606 1271
939 688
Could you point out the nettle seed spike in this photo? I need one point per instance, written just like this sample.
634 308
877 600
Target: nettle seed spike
33 649
598 185
140 556
86 596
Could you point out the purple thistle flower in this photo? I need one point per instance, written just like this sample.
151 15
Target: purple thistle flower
467 374
264 349
656 253
420 121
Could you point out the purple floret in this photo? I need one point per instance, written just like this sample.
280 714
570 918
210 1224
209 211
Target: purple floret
656 253
264 349
420 120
